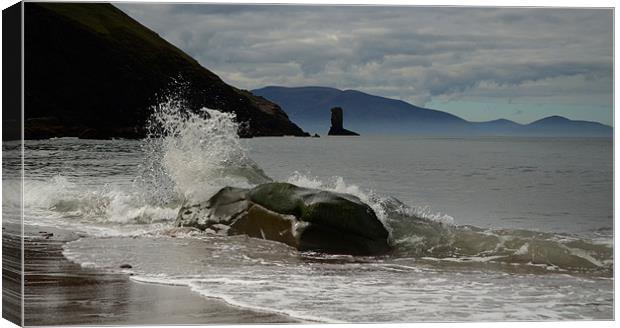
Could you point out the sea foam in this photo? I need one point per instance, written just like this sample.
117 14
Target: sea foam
193 154
189 155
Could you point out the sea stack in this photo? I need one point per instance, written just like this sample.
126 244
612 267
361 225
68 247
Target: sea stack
337 128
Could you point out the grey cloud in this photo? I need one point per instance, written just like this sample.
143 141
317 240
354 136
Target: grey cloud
417 53
445 82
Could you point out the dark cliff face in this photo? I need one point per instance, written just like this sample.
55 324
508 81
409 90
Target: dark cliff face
92 71
337 128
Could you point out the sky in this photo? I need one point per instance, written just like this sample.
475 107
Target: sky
481 64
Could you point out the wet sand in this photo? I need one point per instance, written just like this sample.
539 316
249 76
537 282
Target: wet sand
11 273
59 292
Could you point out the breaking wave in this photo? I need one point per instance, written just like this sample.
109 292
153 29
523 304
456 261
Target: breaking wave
194 154
191 155
421 233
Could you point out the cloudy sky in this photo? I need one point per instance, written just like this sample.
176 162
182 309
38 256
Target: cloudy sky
480 64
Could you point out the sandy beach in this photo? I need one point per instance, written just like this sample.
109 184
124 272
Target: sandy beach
59 292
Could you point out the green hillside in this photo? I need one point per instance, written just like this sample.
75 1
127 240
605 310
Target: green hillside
93 71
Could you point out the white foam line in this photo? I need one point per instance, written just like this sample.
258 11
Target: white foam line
469 259
68 254
289 313
229 300
159 281
400 266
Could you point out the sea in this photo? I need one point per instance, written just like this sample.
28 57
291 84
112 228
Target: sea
482 228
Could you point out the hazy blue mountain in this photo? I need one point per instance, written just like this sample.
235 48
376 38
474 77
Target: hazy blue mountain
310 107
554 125
364 113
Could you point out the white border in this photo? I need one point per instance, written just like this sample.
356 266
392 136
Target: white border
474 3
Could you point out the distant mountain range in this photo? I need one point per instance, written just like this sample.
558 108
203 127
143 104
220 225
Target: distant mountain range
364 113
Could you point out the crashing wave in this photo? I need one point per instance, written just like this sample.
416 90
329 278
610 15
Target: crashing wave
190 155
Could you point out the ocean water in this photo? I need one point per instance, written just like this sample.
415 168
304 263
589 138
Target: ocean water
482 228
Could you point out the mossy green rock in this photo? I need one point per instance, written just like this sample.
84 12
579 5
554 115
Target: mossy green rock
307 219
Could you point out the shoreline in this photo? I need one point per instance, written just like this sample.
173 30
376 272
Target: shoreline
60 292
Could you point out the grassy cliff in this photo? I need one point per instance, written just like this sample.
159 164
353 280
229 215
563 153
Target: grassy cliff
92 71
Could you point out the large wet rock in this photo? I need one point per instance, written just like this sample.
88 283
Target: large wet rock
307 219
